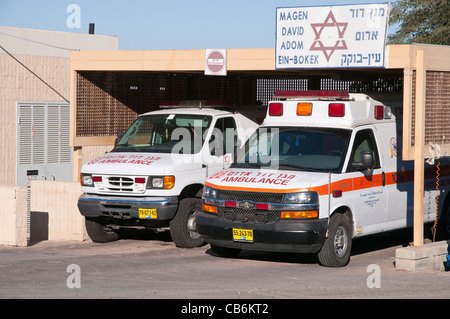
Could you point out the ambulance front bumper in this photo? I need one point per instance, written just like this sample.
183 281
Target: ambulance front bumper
302 236
158 208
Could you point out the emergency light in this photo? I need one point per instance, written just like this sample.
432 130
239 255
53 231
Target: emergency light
293 94
336 109
304 109
276 109
196 103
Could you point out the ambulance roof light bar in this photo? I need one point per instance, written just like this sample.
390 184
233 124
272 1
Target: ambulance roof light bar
312 94
196 104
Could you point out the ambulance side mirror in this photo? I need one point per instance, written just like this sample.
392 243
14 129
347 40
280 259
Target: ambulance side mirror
120 134
236 148
366 161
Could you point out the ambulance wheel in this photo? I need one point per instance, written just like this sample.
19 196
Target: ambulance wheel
183 227
336 249
98 232
225 252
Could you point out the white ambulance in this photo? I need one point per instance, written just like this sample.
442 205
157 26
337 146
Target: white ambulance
324 168
153 178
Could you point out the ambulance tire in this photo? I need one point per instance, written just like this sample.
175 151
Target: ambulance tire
336 249
98 233
183 226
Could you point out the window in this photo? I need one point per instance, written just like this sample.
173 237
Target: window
165 133
296 148
223 137
364 141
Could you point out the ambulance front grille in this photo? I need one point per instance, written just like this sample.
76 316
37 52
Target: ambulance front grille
249 196
249 215
120 184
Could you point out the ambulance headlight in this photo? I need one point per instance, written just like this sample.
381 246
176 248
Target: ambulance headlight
161 182
301 198
209 192
86 180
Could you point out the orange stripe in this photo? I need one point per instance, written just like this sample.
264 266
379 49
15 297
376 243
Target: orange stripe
346 185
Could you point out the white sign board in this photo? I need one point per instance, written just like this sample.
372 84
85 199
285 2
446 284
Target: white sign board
347 36
216 62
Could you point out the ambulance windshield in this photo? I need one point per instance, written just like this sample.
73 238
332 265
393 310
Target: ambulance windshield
295 148
163 133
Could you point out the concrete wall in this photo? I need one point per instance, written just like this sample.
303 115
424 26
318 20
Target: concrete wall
59 200
13 216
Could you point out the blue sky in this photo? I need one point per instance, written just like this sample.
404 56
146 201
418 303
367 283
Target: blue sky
163 24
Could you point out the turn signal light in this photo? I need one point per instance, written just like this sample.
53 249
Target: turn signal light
209 208
169 182
300 214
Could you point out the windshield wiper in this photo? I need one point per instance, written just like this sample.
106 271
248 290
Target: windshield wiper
295 168
245 164
118 148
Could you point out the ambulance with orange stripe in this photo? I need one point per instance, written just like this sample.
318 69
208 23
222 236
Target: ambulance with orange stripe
324 168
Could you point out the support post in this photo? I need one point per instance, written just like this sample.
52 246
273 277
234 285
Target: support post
419 141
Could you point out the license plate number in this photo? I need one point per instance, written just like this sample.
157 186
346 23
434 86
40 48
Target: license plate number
244 235
148 213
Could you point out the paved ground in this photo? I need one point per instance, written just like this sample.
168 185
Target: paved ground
151 267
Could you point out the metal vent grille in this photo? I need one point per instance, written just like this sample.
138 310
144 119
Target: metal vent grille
437 108
44 133
108 102
267 87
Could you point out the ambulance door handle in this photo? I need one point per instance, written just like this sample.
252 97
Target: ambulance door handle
383 178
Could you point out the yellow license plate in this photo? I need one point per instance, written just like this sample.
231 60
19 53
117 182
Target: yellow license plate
244 235
148 213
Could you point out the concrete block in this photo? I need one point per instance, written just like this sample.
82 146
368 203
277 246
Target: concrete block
432 256
59 201
13 216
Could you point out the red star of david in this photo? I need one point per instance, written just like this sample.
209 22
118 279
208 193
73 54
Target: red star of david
330 22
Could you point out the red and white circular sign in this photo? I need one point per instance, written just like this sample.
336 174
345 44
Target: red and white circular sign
215 62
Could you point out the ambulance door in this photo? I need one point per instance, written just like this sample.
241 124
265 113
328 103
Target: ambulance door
399 185
368 195
220 144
